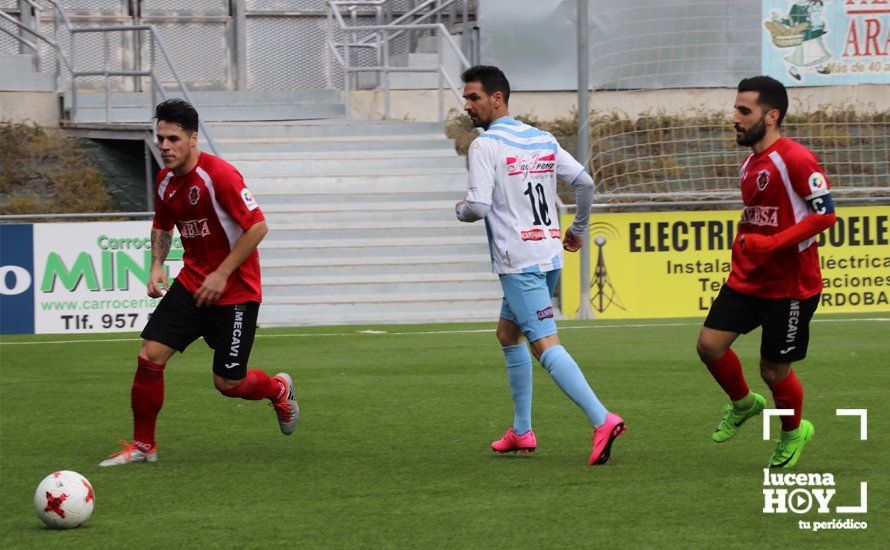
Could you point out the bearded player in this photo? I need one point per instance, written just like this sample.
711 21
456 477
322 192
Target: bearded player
775 281
217 293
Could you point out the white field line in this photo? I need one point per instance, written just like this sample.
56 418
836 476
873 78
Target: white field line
425 332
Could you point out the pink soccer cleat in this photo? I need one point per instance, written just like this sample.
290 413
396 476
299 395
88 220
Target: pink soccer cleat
604 436
512 443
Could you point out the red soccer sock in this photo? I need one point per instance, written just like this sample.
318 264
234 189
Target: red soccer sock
146 399
727 371
256 385
788 394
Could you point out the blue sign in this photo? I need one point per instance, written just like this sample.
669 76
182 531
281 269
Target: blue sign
17 279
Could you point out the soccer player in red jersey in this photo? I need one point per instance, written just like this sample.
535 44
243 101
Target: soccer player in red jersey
775 281
217 293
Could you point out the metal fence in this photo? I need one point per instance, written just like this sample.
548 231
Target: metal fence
684 148
358 48
219 44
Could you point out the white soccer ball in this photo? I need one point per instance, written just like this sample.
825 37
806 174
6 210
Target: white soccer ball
64 500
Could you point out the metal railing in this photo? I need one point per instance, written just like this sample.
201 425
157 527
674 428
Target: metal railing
427 10
75 216
34 46
379 37
155 44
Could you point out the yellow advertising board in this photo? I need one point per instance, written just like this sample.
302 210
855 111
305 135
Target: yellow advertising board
672 264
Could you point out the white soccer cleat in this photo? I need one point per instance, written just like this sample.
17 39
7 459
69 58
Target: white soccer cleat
286 408
130 454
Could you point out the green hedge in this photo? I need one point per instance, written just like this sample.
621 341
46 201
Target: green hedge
696 151
42 171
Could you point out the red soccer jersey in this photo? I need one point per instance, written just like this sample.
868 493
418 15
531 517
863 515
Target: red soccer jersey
212 208
776 183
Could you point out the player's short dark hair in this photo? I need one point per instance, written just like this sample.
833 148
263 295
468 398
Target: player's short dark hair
492 79
178 111
772 93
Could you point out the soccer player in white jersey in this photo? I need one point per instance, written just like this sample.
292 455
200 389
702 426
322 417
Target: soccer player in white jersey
512 186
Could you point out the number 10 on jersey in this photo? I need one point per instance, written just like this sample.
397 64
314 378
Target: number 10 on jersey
540 210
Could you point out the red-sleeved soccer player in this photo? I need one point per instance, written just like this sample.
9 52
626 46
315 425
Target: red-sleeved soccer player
775 280
217 293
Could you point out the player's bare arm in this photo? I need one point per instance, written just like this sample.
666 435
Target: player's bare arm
215 283
160 247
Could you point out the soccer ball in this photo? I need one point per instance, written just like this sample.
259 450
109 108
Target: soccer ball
64 500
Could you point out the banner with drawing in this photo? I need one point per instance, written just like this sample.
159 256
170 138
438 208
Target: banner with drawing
826 42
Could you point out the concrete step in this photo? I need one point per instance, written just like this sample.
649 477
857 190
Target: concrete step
303 267
345 165
365 298
26 81
372 247
209 98
383 154
418 213
358 182
424 59
350 170
429 44
426 56
394 284
309 200
227 147
289 111
16 63
417 81
270 252
288 228
362 222
333 253
448 309
351 206
360 130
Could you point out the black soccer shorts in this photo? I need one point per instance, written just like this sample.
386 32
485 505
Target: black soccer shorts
785 322
229 330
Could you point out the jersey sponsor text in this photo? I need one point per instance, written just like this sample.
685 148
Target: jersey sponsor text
194 228
236 332
535 164
761 215
793 321
546 313
533 235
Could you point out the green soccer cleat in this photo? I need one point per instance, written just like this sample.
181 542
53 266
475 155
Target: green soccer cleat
732 419
789 448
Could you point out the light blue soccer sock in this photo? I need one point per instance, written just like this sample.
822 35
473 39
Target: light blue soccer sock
519 372
565 372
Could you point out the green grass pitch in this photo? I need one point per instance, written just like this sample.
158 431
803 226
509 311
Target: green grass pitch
393 447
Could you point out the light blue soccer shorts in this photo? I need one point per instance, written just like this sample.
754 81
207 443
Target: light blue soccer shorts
527 302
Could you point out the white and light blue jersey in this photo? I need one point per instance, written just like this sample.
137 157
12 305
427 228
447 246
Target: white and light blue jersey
513 169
